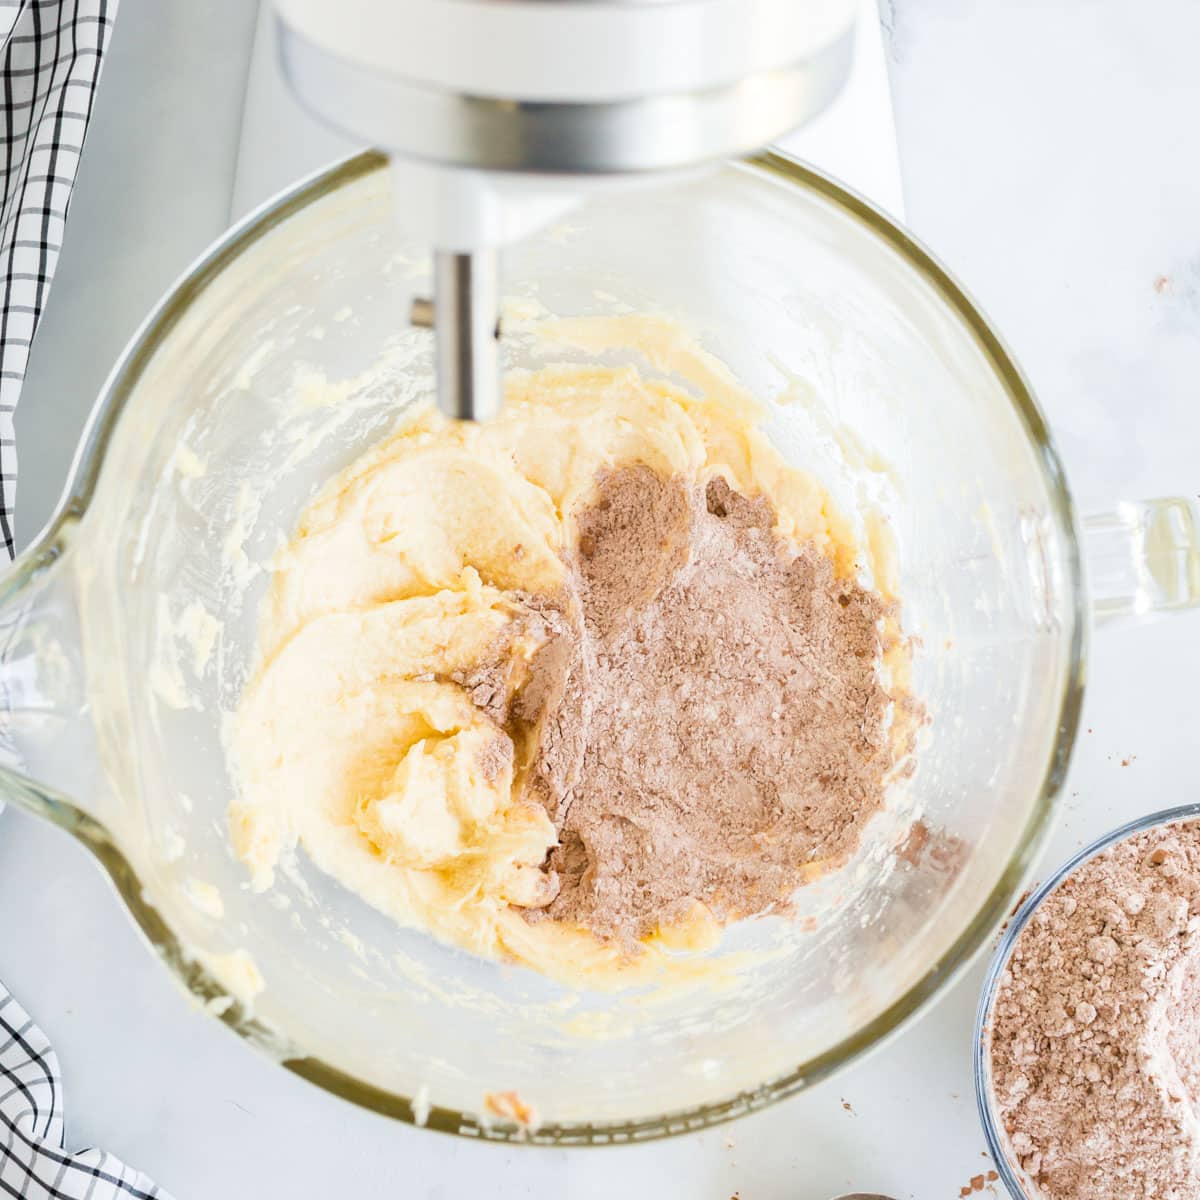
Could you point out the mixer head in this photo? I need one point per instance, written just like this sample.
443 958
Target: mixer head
501 115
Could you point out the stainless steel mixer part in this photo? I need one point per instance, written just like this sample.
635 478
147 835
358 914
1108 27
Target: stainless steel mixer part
465 321
629 135
503 114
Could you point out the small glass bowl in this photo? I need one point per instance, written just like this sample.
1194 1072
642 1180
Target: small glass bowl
997 1140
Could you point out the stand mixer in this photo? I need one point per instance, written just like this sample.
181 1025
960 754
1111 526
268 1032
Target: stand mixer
499 116
132 620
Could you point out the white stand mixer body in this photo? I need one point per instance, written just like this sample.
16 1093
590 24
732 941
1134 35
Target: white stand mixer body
501 115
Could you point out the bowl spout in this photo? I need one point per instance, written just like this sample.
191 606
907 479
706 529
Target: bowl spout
48 750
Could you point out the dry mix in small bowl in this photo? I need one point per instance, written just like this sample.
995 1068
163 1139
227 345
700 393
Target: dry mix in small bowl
1093 1034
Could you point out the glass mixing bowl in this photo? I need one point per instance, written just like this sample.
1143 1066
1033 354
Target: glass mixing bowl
128 627
1007 1165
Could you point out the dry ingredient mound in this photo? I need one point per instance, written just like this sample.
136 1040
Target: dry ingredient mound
1095 1037
705 724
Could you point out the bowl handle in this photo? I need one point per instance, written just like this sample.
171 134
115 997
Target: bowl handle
1143 558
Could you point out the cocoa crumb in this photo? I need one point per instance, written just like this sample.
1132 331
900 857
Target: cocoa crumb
496 758
914 843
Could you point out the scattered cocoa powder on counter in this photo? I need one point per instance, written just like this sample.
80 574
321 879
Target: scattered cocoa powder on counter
1094 1038
976 1184
707 724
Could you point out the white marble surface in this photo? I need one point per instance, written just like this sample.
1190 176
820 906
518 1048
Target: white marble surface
1048 151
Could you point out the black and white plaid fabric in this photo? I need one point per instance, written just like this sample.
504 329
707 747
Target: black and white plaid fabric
33 1163
50 57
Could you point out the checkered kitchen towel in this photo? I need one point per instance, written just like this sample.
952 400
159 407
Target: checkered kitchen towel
33 1163
50 56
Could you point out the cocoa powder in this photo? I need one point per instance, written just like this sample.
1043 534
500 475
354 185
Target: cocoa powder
1094 1040
706 721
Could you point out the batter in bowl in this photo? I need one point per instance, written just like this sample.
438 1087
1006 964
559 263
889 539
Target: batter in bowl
576 687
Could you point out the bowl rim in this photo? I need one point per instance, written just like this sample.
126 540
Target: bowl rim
55 539
981 1045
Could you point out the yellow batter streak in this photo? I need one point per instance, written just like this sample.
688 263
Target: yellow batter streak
401 573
